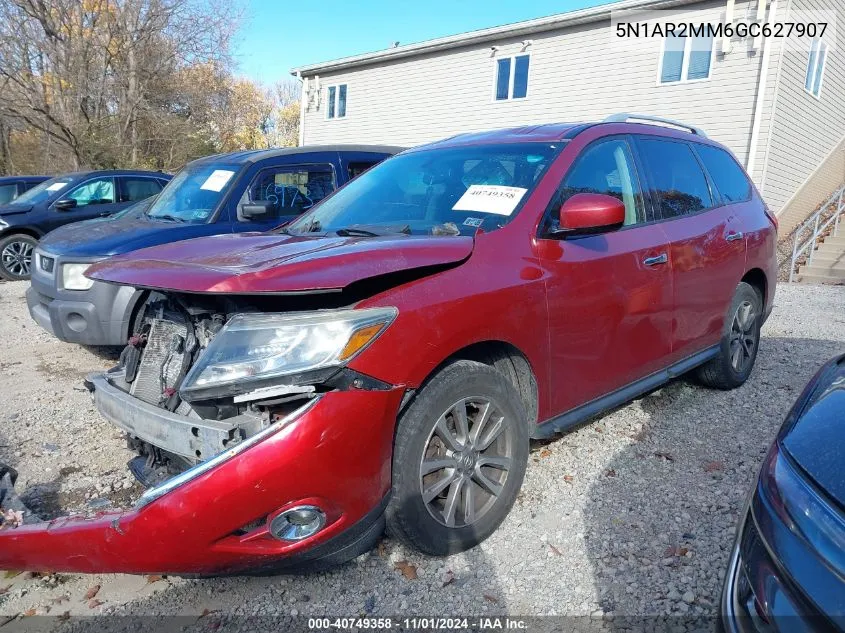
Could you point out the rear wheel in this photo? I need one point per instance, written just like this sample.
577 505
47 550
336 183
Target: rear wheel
16 256
459 459
739 344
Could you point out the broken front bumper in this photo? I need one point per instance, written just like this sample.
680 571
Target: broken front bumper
334 453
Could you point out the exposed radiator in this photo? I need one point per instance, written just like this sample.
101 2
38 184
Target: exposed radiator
161 361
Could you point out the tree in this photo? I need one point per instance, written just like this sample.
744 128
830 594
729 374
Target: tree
100 80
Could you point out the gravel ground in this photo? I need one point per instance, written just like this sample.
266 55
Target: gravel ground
633 514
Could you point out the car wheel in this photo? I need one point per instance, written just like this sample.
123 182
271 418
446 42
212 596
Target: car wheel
459 458
16 256
739 344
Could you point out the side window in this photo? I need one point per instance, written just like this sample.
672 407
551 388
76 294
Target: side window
815 68
135 189
8 192
727 175
99 191
293 189
677 183
356 169
606 167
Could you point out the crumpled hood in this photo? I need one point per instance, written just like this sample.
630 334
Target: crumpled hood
14 209
277 263
104 237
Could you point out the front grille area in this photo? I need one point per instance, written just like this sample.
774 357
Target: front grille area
161 361
46 263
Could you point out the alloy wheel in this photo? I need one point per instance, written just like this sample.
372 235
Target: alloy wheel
466 461
743 338
17 258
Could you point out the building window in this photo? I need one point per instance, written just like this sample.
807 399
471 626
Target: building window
512 77
815 68
685 59
336 106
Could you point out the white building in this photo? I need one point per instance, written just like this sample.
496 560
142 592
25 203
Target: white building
780 108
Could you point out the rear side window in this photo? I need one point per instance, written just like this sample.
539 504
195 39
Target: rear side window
677 184
729 178
135 189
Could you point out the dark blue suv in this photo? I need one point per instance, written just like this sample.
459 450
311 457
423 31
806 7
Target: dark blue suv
62 200
227 193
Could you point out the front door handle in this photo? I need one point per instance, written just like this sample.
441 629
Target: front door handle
730 237
658 259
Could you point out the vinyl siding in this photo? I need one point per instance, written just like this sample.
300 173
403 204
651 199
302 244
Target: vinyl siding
802 130
576 74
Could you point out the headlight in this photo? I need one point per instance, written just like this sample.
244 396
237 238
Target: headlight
73 277
253 348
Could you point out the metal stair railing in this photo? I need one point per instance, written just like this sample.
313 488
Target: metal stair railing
817 226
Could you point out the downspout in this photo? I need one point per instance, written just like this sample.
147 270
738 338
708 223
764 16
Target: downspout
761 96
302 97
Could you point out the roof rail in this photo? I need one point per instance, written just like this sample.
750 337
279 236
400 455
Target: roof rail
647 119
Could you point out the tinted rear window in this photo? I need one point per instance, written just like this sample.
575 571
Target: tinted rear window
677 183
729 177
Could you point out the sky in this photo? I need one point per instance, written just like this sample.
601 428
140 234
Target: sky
277 35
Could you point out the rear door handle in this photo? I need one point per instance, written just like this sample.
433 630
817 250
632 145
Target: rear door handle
730 237
658 259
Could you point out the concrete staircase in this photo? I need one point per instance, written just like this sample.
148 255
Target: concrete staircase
828 263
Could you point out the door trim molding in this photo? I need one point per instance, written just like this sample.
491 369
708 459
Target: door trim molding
589 410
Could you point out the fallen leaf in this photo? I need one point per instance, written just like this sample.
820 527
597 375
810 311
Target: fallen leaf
448 577
154 578
669 551
93 591
93 604
382 549
555 550
206 612
408 570
29 613
568 478
599 429
610 473
545 453
64 616
490 598
711 467
665 456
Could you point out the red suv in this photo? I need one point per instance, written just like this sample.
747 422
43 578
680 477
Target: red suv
385 358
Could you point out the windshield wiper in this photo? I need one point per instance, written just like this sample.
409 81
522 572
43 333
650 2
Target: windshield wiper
168 217
372 230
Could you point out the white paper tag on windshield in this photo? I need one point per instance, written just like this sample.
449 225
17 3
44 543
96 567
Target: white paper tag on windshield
490 199
56 186
217 180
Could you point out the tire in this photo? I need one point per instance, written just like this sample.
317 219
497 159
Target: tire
16 256
740 341
422 430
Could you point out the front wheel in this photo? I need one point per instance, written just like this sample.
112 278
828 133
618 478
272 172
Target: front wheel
459 459
740 341
16 256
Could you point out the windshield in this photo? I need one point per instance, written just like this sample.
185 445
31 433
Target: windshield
43 191
193 193
438 191
136 209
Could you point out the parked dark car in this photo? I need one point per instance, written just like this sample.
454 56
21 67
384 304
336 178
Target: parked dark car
62 200
225 193
385 358
13 186
787 568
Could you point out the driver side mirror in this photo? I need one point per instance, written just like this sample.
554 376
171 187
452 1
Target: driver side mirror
65 205
259 210
586 213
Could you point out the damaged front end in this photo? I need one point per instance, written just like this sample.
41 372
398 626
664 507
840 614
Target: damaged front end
259 448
